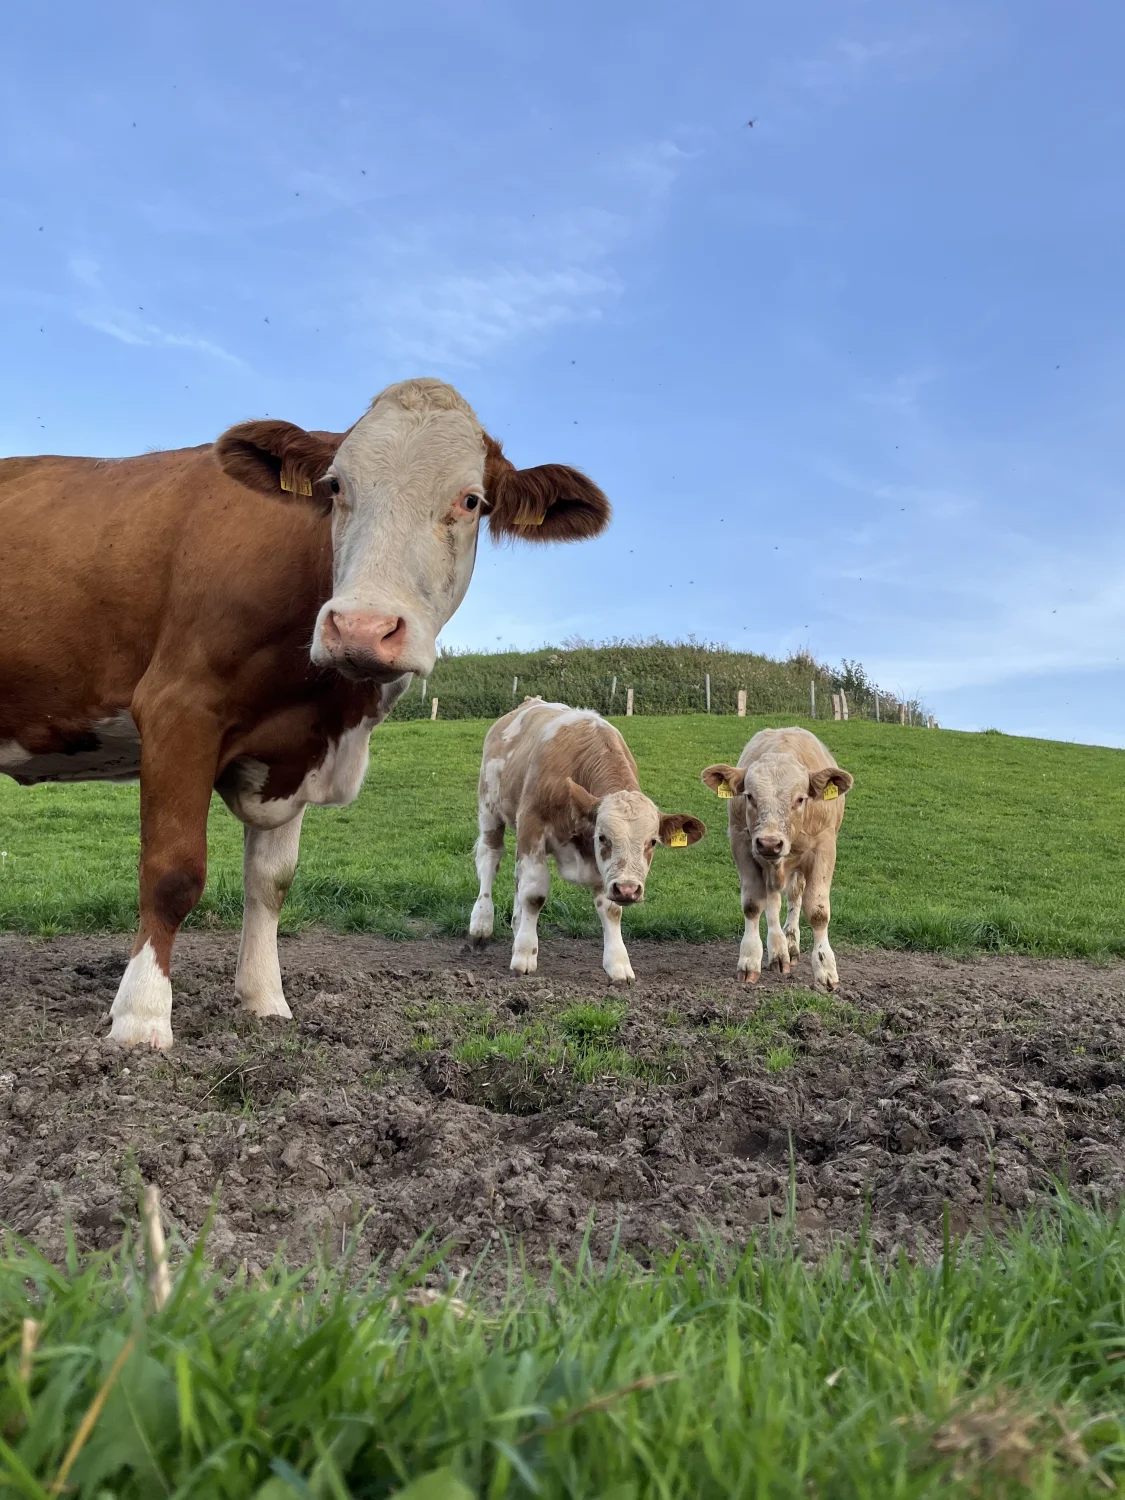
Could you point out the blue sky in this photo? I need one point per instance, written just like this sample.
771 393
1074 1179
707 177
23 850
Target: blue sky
854 378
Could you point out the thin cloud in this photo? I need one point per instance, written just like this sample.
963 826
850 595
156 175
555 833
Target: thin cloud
96 311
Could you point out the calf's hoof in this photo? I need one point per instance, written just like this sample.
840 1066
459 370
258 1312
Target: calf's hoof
794 947
524 963
621 974
478 939
749 976
780 962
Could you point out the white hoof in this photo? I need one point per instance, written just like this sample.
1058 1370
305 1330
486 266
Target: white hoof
136 1031
749 975
524 963
794 944
482 920
265 1006
824 975
620 973
142 1008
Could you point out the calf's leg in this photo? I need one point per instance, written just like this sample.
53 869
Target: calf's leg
533 886
777 943
818 912
753 900
269 862
178 763
793 897
615 958
489 853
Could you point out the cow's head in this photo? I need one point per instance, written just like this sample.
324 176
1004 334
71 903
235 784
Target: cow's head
626 828
779 796
407 488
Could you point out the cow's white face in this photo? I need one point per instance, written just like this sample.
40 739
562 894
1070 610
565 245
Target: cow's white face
408 501
407 486
776 793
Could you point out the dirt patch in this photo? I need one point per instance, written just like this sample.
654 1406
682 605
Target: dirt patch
422 1087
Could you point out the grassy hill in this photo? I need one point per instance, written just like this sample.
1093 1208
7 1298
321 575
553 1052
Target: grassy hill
952 842
667 677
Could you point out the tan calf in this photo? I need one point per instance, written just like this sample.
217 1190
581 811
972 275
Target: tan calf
565 781
787 804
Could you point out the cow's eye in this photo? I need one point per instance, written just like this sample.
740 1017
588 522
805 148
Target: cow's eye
471 502
334 485
603 844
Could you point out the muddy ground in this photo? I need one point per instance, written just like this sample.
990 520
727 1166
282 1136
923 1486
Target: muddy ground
420 1087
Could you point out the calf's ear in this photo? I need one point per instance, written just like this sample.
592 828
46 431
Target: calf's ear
583 800
551 503
278 458
827 785
724 781
677 830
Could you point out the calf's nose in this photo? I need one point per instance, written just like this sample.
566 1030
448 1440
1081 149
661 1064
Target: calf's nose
626 892
769 844
362 640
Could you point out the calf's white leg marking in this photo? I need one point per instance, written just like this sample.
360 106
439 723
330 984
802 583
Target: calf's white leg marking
818 910
269 859
142 1008
793 913
533 885
777 945
615 957
750 949
489 853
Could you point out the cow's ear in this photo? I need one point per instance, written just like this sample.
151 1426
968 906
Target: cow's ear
677 830
724 781
550 503
279 459
827 785
584 801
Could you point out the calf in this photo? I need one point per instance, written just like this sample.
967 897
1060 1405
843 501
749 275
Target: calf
565 781
787 806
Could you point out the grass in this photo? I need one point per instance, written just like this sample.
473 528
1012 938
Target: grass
998 1371
667 677
953 842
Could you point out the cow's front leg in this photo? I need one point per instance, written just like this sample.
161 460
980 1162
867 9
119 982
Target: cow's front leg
753 899
533 886
615 958
177 773
777 945
489 853
818 914
793 897
269 862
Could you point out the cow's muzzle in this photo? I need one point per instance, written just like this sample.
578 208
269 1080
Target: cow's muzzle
770 846
362 644
626 892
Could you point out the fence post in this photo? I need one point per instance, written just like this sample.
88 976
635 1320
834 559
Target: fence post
629 703
612 692
812 696
835 705
707 689
843 704
876 708
515 684
742 703
902 713
433 709
930 723
425 680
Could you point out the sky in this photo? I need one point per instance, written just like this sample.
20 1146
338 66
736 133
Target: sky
853 376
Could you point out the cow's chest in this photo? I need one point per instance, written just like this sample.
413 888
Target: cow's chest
574 864
110 750
335 782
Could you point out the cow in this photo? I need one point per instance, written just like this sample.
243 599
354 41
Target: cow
239 616
564 779
787 804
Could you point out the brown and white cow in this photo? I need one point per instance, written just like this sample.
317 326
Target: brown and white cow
564 779
787 805
239 616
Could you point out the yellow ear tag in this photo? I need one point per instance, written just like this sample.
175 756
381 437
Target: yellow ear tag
831 792
285 484
678 840
722 790
530 520
302 487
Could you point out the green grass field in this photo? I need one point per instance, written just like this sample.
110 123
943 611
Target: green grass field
954 842
996 1372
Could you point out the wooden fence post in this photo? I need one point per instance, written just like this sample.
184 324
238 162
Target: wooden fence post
902 713
835 705
433 709
742 703
707 689
812 697
843 704
612 692
930 723
629 703
515 684
425 680
876 708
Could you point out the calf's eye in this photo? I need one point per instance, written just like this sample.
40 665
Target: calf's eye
334 485
471 502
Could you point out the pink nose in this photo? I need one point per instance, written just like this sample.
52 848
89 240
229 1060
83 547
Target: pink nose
361 641
769 844
626 892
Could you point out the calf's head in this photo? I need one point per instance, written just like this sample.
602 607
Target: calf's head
407 488
777 792
626 828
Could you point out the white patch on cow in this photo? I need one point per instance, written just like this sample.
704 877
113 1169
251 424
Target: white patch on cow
142 1008
615 956
512 729
116 756
573 866
395 551
334 783
492 773
571 716
269 860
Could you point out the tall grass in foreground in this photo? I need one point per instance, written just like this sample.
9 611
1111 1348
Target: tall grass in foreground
999 1371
